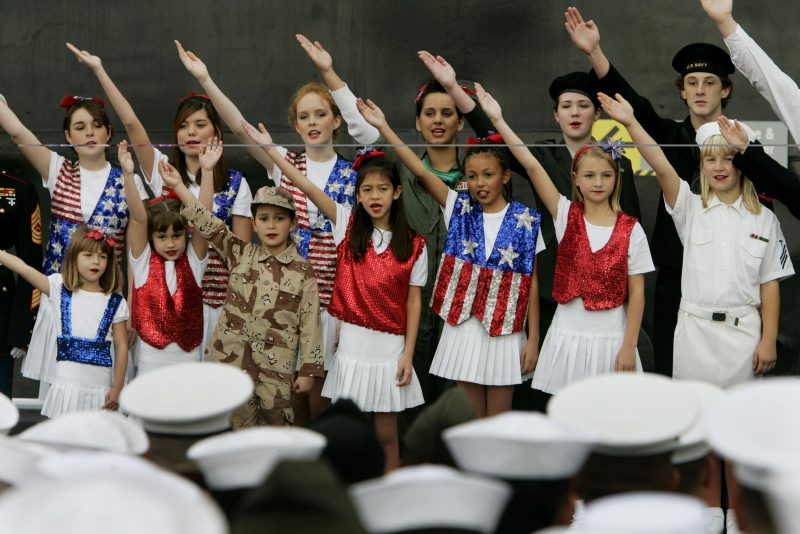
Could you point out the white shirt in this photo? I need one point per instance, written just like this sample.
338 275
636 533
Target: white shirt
380 242
727 251
141 268
774 85
87 309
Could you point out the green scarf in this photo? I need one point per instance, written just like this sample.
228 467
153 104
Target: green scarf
451 177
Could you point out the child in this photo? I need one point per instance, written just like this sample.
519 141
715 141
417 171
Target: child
602 256
271 313
382 265
486 285
167 299
89 374
735 255
87 191
316 113
196 120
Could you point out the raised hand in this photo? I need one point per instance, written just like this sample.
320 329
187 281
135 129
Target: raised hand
260 136
316 53
718 10
371 113
85 58
440 69
488 103
170 174
734 133
584 34
620 109
211 154
192 63
125 158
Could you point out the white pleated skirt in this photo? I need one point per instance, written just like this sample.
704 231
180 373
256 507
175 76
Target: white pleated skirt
40 361
365 370
210 318
579 344
468 353
330 334
149 358
77 387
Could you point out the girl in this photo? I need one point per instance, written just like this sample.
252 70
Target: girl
167 298
87 191
602 256
89 314
316 113
196 120
734 256
382 264
486 285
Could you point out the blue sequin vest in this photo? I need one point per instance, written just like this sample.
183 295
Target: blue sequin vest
95 351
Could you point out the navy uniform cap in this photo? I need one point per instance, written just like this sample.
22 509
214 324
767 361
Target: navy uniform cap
703 57
575 82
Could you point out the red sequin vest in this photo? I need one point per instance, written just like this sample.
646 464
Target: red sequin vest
372 292
600 278
161 318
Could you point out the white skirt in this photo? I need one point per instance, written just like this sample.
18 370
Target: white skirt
210 318
579 344
468 353
365 370
77 387
149 358
40 361
330 335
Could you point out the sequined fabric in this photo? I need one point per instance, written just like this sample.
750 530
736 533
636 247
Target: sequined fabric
496 290
372 292
316 244
600 278
161 318
95 351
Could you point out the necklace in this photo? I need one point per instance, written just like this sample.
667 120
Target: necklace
383 235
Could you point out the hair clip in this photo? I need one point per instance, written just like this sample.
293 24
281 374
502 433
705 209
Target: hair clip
425 86
365 154
98 235
71 100
615 147
171 195
491 138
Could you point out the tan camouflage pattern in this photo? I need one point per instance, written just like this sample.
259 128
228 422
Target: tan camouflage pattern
270 316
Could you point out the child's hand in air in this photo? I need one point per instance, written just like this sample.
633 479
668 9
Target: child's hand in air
316 53
618 109
211 154
192 63
488 103
125 158
170 174
439 68
260 136
371 113
85 58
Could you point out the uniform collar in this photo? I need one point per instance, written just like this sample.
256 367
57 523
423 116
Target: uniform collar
285 257
737 204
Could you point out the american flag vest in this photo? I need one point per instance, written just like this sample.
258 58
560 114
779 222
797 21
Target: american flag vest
110 214
496 290
215 279
316 244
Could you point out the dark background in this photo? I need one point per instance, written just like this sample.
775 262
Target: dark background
514 47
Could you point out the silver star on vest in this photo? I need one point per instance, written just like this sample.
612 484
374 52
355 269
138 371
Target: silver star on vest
319 223
113 220
508 256
469 247
56 227
231 193
123 205
349 189
347 172
57 248
110 191
525 219
466 207
97 220
336 187
107 205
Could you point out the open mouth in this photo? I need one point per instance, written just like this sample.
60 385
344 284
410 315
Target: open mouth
438 132
576 124
94 271
314 134
482 195
375 207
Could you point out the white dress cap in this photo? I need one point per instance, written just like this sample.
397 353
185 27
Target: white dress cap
9 415
245 458
429 496
783 497
122 503
753 427
632 414
710 129
640 512
519 445
692 445
18 461
101 429
190 398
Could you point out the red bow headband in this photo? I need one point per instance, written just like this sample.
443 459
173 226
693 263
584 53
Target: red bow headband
71 100
97 235
425 86
170 195
365 154
491 139
194 95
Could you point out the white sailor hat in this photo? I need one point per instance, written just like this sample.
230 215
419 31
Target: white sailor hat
429 496
122 503
79 464
18 461
100 429
783 498
519 445
9 415
190 398
710 129
751 427
632 414
651 512
245 458
693 445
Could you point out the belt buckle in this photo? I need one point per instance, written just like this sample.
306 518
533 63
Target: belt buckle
718 316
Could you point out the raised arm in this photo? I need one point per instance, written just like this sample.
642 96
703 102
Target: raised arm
373 114
30 274
28 144
227 110
140 141
322 201
585 36
721 13
621 111
445 74
208 160
541 181
136 237
357 127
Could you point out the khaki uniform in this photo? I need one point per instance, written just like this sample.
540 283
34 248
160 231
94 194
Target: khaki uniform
271 315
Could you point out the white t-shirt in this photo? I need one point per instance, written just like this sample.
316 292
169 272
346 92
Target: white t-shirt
241 204
317 171
92 183
141 268
87 309
639 259
491 224
380 242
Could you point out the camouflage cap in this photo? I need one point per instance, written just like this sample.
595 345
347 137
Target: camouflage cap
274 196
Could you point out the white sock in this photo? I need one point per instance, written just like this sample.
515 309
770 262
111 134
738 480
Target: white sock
731 524
715 520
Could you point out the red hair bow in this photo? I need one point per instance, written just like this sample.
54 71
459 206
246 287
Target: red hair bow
492 138
71 100
194 95
171 194
98 235
365 154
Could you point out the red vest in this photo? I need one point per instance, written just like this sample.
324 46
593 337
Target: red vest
372 292
599 278
161 318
